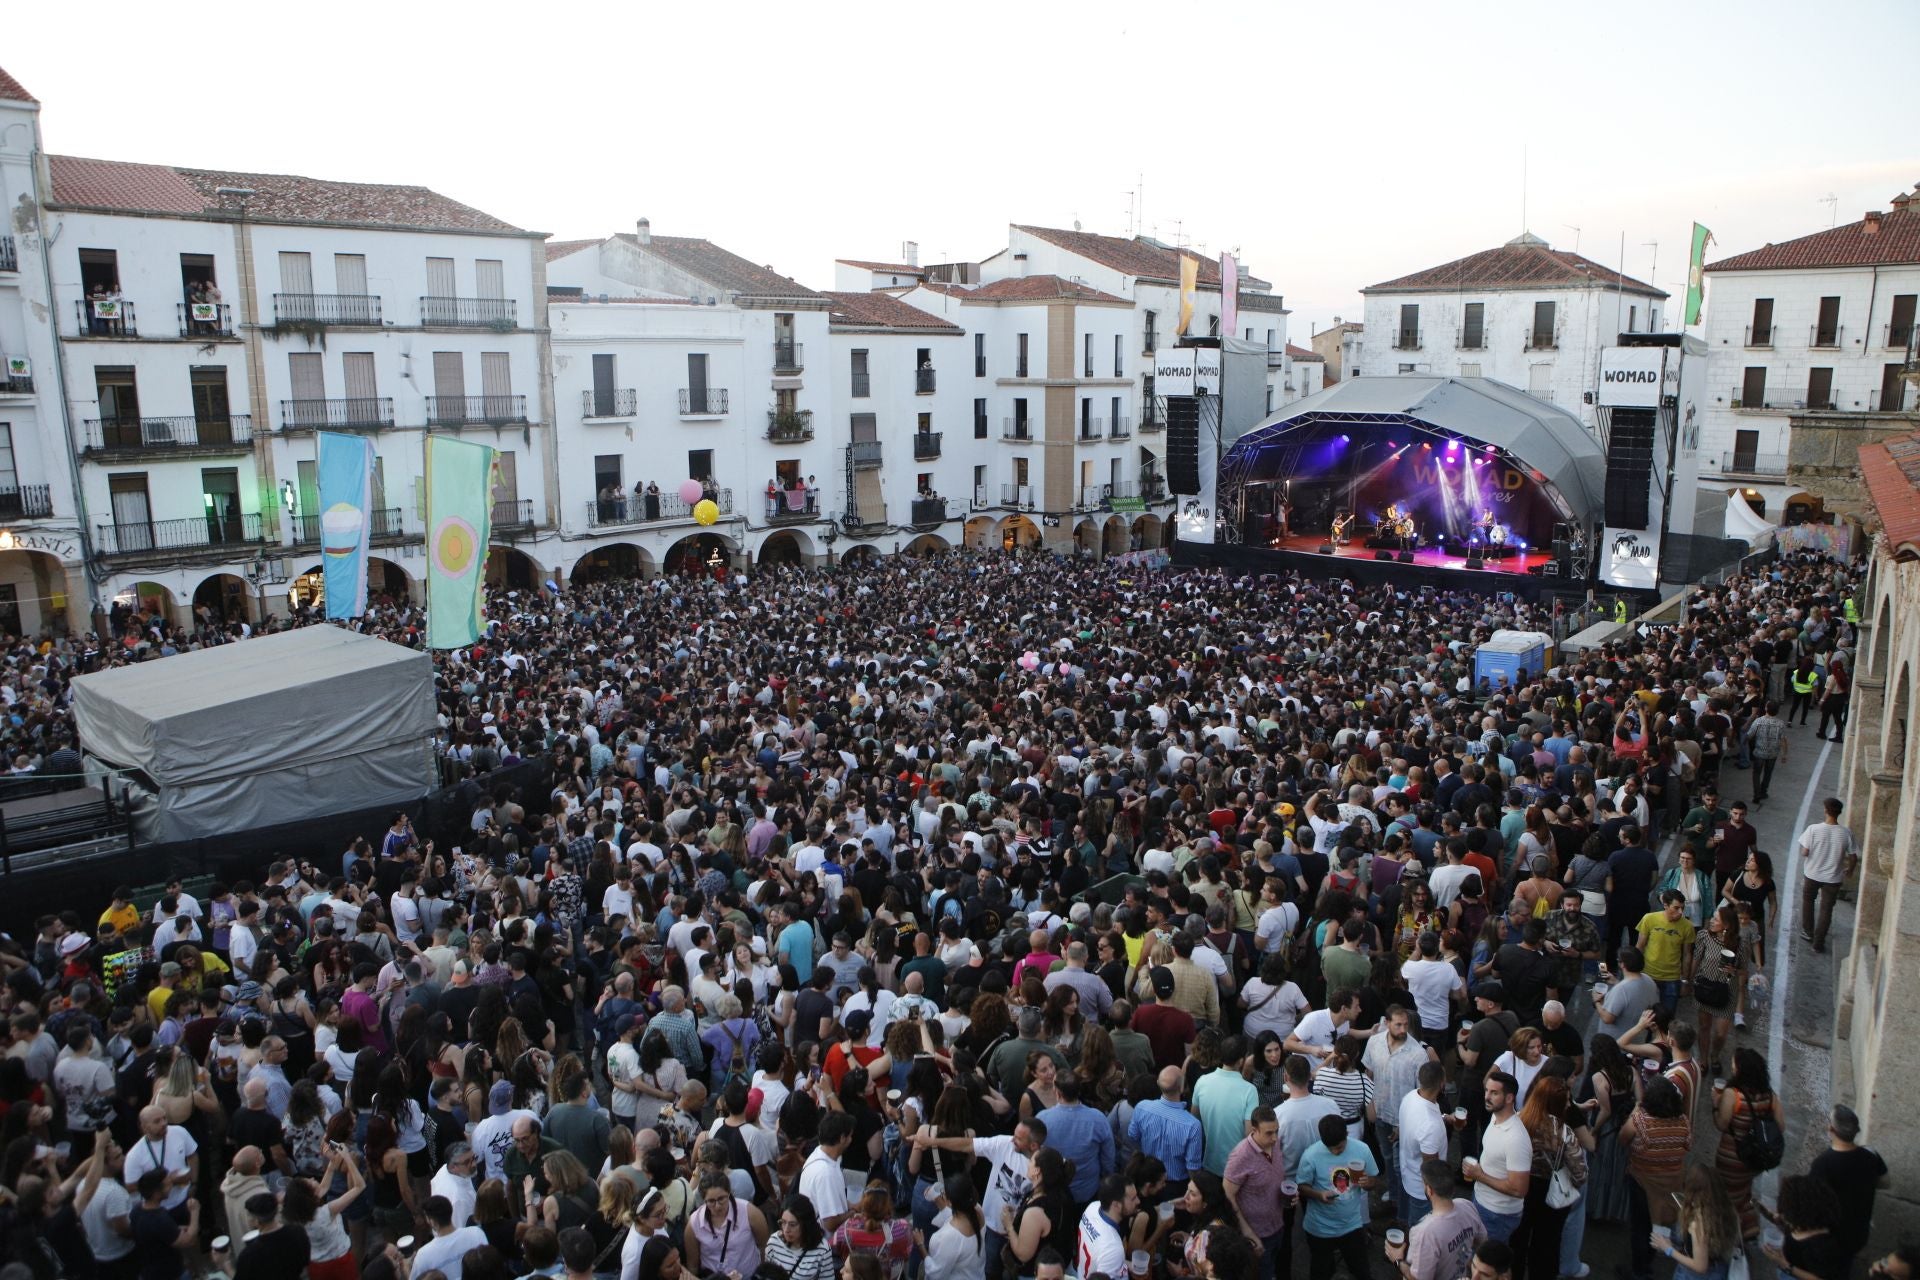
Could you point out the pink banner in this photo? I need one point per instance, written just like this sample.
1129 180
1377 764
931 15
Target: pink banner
1229 296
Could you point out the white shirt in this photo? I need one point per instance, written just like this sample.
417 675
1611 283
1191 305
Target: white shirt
1506 1148
1318 1029
243 946
110 1201
170 1153
1423 1133
1276 927
615 902
1432 984
1446 881
822 1182
1825 846
1101 1246
406 918
1007 1185
444 1253
493 1137
458 1191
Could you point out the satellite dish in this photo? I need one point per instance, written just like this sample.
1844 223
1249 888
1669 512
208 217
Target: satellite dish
1076 224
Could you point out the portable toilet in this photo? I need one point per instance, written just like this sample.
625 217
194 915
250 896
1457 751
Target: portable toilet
1509 653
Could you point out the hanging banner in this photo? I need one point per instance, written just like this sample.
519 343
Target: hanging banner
344 472
459 524
1630 559
1229 296
1189 281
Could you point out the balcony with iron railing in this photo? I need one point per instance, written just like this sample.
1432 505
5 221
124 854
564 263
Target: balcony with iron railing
1779 402
929 511
233 433
1016 495
791 505
468 313
26 502
923 382
622 402
9 261
386 524
1090 429
1276 359
1153 486
1896 337
1899 405
789 426
926 446
1019 430
230 536
1760 337
1120 429
353 413
105 318
13 383
205 320
865 455
1538 340
326 309
1470 339
788 356
1738 462
646 508
476 411
513 513
703 402
1406 340
1819 336
1154 419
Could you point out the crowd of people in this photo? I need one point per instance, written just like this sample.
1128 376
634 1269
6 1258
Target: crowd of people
974 917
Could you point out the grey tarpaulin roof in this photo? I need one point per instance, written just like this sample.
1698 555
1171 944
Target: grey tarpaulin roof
269 730
1550 440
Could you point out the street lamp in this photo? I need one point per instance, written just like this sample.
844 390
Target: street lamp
262 572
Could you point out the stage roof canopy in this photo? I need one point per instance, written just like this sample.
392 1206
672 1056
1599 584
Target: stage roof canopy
1547 439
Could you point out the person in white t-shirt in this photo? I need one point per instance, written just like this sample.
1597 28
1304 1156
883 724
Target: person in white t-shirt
1420 1135
1435 986
1315 1034
1505 1168
821 1178
406 912
448 1248
1102 1246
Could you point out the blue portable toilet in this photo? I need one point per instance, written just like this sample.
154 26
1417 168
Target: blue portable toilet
1508 653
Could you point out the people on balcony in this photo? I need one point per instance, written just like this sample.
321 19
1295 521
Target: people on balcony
649 496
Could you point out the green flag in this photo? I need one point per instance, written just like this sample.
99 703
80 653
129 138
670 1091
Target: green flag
1696 266
459 523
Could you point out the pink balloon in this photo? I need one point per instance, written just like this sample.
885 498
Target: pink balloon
691 492
1029 660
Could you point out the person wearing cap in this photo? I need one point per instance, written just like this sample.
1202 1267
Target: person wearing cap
1480 1044
493 1136
1168 1028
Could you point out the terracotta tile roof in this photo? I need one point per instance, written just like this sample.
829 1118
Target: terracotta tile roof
1036 289
1301 353
1139 257
12 90
557 249
1891 470
117 185
707 261
884 311
568 294
1896 239
1526 262
904 268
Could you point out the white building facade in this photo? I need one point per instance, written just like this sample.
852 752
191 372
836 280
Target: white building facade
1525 313
212 323
1818 330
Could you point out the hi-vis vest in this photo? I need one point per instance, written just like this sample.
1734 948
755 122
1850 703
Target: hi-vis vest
1804 684
1620 612
1852 611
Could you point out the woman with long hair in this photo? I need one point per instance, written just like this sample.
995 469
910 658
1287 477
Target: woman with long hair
798 1248
1749 1093
1536 1241
1525 1055
570 1200
1062 1026
1418 914
958 1250
1101 1078
329 1242
394 1210
1143 1230
873 1231
1039 1092
1808 1213
1269 1068
1609 1090
1707 1234
952 1118
1342 1080
1044 1217
1717 974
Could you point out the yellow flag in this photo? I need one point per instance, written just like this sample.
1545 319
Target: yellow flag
1189 281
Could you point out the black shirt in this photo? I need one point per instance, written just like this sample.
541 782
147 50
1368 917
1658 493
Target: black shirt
1855 1178
808 1008
274 1255
1524 973
154 1231
250 1128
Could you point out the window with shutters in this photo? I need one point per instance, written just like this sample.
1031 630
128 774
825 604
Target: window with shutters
1119 364
350 273
862 379
1020 357
1543 328
979 355
1473 326
980 418
489 278
296 272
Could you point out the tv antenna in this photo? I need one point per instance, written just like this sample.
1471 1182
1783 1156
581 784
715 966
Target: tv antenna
1832 202
1576 234
1653 267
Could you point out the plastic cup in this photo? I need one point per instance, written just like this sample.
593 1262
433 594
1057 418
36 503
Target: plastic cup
1140 1262
1460 1114
1719 1083
1396 1237
221 1244
250 1237
1470 1163
405 1245
1725 954
1166 1210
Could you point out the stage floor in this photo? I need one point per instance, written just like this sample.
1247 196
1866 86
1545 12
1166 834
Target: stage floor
1427 557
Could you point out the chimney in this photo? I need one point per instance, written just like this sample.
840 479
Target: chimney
910 252
643 229
1872 222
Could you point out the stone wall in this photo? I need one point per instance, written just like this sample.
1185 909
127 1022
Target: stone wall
1824 455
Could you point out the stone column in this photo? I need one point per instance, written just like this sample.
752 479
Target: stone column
1862 749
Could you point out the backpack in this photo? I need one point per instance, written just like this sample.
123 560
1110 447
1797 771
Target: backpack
737 1068
1763 1145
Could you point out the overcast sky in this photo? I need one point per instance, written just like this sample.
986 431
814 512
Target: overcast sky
1346 145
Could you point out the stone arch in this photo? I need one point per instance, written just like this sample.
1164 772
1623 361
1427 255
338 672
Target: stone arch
787 546
227 597
1880 643
705 553
1086 538
860 553
978 532
511 569
1146 532
927 544
613 561
1897 728
144 595
1018 531
38 578
1115 535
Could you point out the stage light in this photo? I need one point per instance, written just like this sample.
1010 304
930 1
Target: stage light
1345 439
1452 445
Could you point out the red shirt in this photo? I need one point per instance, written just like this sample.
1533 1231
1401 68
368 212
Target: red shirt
1489 874
1168 1029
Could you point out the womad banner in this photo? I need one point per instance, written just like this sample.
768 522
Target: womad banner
1630 559
345 479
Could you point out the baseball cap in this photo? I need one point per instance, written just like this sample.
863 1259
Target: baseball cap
1162 981
500 1099
1491 991
858 1021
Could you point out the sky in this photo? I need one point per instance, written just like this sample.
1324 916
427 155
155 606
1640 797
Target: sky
1333 146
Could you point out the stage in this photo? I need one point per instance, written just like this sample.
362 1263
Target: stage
1520 563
